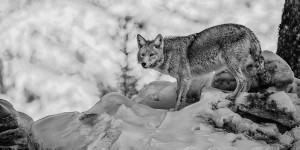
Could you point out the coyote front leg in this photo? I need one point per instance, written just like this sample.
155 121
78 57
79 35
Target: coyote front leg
183 85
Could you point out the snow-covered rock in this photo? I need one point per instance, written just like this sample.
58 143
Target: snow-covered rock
282 75
74 130
98 128
158 95
278 107
116 122
296 133
162 94
254 122
295 87
286 139
296 145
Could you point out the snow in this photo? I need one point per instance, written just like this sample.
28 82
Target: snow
286 139
283 101
136 126
296 132
159 95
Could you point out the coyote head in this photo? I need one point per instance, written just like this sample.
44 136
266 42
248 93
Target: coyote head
150 54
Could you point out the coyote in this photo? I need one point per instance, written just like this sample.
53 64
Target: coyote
186 57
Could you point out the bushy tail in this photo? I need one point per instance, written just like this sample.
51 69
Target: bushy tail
259 62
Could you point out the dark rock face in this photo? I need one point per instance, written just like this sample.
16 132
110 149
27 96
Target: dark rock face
14 127
272 117
267 106
281 75
278 107
13 138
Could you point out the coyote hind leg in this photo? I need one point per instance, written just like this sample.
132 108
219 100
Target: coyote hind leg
248 80
240 80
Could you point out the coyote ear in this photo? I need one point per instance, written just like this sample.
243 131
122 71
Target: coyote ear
141 41
158 41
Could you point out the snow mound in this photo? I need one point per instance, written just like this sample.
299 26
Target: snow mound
116 122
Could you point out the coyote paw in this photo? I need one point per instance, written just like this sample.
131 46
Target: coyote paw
230 97
172 109
176 108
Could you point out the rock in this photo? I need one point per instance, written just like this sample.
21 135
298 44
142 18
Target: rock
158 95
296 145
278 107
224 80
14 127
296 102
110 103
97 128
295 87
229 121
24 120
286 139
266 116
92 129
163 94
197 85
116 122
296 132
281 75
71 130
14 138
225 119
283 102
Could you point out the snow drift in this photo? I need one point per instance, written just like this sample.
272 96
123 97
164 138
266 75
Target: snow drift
116 122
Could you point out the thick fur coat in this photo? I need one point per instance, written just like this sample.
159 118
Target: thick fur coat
185 57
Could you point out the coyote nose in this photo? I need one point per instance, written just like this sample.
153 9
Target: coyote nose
143 64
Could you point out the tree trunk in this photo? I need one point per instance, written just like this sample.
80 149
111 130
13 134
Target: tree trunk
289 35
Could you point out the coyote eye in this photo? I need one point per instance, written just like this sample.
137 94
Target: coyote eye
151 54
143 55
157 46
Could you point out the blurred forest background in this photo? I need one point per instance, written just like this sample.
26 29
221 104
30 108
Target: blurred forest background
63 55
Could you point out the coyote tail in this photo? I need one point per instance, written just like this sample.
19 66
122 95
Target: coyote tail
259 61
